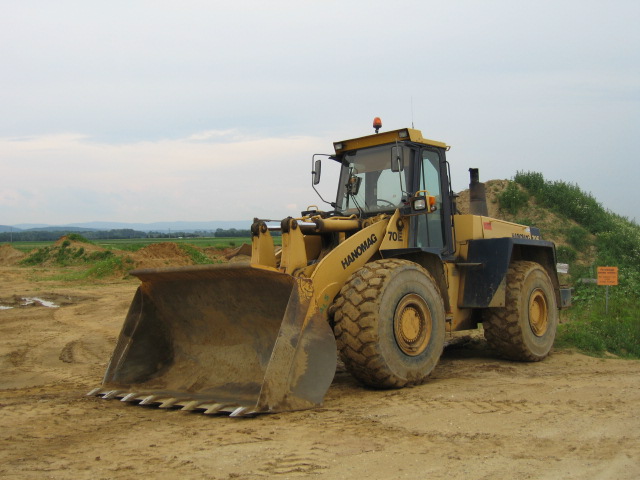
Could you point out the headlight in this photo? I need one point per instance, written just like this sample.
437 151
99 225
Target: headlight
420 203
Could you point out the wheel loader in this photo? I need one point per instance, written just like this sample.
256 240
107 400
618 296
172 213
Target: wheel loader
380 277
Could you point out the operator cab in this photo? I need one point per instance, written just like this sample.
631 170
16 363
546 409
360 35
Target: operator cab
395 170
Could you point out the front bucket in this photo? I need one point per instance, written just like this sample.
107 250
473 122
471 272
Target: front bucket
222 338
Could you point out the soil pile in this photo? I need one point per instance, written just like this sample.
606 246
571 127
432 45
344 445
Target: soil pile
552 226
493 188
72 243
159 255
9 255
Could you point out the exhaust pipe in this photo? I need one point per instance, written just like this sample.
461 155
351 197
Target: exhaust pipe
477 194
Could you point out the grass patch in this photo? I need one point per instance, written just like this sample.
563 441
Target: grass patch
597 330
598 333
132 245
64 255
197 257
617 241
109 267
566 254
113 266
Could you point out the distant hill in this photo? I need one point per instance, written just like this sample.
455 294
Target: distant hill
7 228
59 228
163 227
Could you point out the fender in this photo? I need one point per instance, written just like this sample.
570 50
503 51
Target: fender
487 263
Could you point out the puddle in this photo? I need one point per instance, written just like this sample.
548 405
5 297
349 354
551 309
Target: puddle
27 302
44 303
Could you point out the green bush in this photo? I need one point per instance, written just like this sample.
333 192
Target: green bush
38 257
64 255
532 181
566 254
568 200
578 237
109 266
76 237
196 255
512 198
99 256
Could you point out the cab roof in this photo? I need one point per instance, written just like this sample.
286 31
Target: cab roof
383 138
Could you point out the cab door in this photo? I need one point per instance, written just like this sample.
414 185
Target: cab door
429 229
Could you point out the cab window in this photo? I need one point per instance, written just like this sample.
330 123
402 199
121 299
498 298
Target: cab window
379 188
429 227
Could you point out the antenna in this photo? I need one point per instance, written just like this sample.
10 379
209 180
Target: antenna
412 112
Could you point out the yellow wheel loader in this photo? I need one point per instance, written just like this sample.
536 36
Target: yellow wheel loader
381 277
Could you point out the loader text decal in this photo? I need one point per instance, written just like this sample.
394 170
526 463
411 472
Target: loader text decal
359 250
395 236
529 237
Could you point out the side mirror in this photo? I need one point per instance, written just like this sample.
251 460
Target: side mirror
317 170
397 159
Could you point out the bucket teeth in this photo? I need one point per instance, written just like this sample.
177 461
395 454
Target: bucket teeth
111 394
186 404
168 403
192 405
129 397
148 400
215 408
240 412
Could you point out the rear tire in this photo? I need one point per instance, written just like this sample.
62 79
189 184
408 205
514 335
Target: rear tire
525 328
390 324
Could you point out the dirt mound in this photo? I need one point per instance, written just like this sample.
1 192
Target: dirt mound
159 255
553 226
9 255
492 188
70 242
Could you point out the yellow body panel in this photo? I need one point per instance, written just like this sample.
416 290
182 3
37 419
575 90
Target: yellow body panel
474 227
397 235
456 317
294 250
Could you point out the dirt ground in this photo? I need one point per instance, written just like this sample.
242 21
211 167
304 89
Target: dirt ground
569 417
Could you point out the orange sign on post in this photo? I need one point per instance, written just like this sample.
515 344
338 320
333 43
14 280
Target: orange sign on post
607 275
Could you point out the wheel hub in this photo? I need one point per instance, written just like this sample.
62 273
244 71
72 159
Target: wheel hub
412 324
538 313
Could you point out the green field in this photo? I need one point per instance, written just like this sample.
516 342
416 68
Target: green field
134 244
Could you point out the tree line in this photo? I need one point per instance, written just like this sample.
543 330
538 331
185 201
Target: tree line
120 233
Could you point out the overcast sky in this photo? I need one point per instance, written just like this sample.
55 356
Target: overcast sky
204 110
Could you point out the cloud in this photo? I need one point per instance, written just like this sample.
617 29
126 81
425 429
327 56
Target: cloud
70 178
174 111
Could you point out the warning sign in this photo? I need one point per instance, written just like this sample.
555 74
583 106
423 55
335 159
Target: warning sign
607 275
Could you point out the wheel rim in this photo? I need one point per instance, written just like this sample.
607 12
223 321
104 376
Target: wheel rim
538 313
412 325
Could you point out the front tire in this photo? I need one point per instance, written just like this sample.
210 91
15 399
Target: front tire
525 328
390 324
